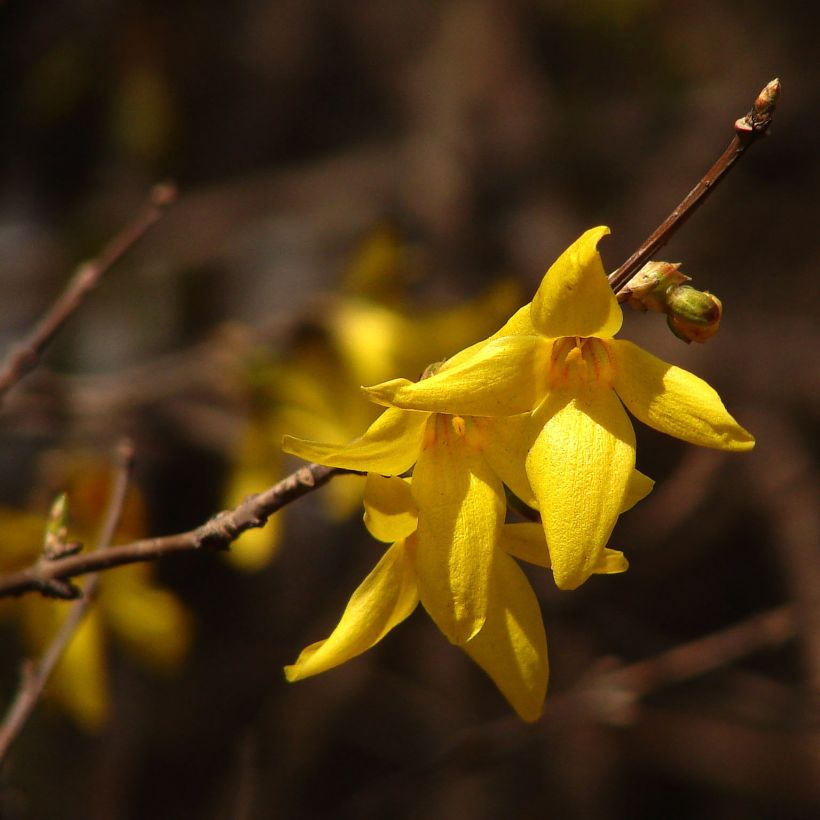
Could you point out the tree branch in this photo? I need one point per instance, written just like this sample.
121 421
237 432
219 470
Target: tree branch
26 355
748 130
35 675
217 534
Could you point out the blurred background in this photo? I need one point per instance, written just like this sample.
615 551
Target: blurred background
367 187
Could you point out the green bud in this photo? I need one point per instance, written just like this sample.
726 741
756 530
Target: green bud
693 315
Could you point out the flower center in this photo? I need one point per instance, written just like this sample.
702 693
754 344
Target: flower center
444 430
580 362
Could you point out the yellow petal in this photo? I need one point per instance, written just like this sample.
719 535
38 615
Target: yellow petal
507 441
575 298
255 547
384 599
579 468
674 401
461 509
637 489
505 377
389 447
150 621
527 542
390 512
512 646
80 680
519 324
611 562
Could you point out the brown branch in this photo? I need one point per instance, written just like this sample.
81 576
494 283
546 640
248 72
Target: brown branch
35 675
26 355
612 695
216 534
748 130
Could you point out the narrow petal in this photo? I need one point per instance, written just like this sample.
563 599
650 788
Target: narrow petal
384 599
526 541
579 468
506 444
519 324
575 298
390 512
505 376
512 646
390 445
461 509
674 401
637 489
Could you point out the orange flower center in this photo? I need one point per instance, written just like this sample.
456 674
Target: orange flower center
581 362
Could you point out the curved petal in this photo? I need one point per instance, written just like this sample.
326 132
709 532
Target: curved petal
637 489
575 298
519 324
674 401
505 376
526 541
506 444
384 599
512 646
390 512
461 509
390 445
579 468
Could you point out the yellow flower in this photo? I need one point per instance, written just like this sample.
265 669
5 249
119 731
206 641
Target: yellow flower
451 548
511 645
147 620
559 362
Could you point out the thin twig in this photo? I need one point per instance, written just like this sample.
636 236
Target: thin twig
35 675
612 695
26 355
748 130
216 534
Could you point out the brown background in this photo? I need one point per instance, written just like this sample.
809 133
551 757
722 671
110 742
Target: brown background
496 132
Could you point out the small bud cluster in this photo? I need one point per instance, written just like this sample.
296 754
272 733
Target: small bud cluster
692 315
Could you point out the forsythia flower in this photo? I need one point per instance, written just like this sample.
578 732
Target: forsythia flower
451 548
557 360
147 620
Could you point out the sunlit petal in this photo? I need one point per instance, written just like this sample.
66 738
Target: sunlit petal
389 447
461 510
637 489
674 401
505 377
149 620
579 468
527 542
575 298
384 599
506 444
390 512
512 646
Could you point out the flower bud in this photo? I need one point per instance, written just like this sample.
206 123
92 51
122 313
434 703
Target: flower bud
693 315
649 287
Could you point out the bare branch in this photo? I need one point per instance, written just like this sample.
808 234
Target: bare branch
217 534
35 675
748 130
26 355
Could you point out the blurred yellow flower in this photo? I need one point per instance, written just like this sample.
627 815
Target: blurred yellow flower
148 621
366 334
